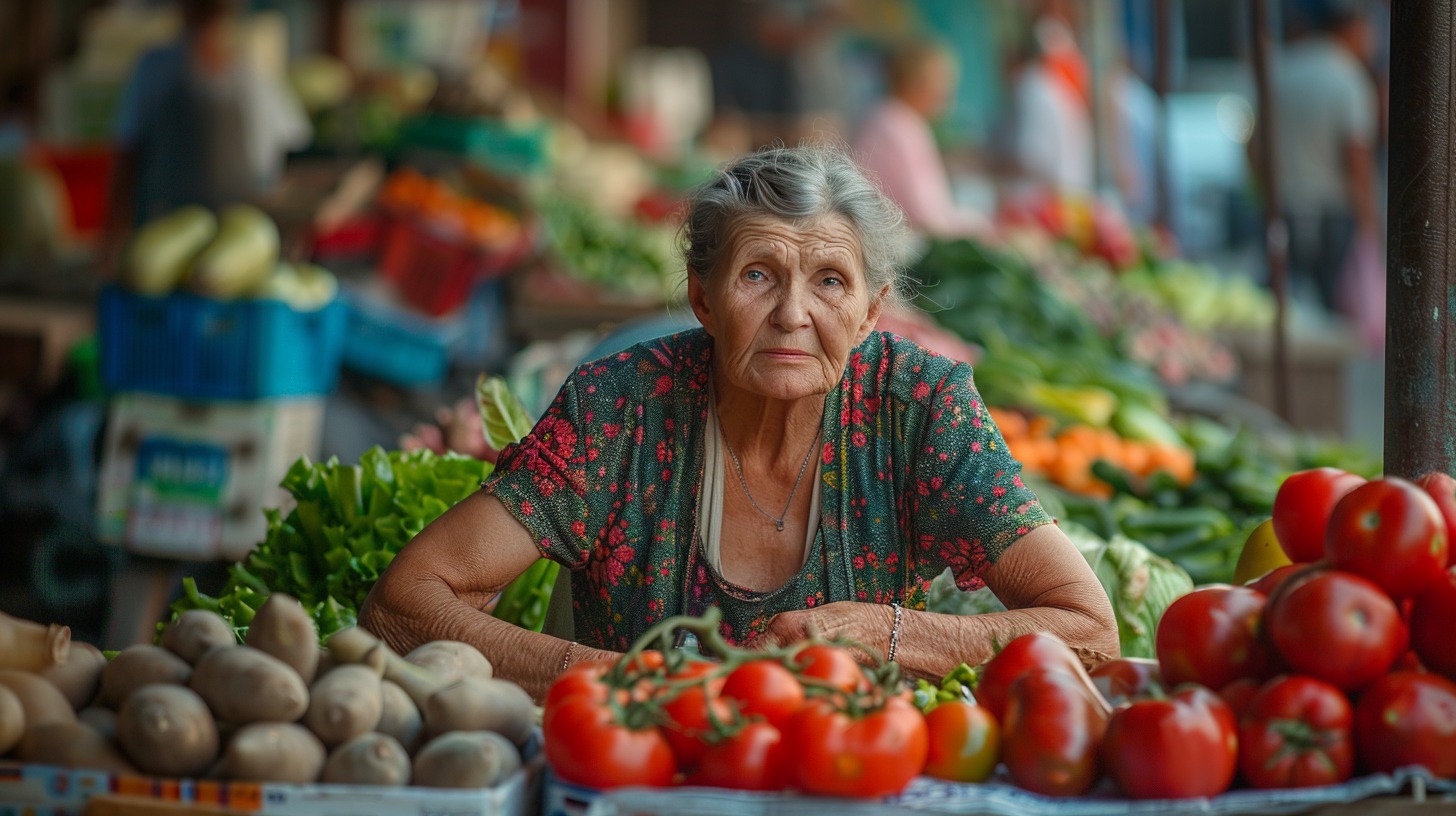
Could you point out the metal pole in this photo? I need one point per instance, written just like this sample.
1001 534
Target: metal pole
1420 336
1276 232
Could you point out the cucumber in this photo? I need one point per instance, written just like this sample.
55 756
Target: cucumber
165 248
241 257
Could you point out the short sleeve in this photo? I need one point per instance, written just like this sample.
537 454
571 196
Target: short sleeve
969 502
541 480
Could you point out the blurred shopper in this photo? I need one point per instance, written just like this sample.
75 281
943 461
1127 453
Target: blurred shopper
1324 141
1052 134
198 124
897 146
780 78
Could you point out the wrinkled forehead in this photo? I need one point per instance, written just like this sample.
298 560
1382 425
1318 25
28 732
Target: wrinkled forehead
830 240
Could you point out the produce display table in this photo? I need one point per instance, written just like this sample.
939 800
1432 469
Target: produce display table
1375 794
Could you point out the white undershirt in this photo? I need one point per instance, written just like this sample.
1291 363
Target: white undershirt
710 502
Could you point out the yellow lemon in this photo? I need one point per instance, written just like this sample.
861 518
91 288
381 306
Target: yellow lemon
1261 554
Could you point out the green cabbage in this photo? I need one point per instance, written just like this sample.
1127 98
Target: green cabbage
1140 584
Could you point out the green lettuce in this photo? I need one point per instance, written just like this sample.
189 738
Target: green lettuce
346 525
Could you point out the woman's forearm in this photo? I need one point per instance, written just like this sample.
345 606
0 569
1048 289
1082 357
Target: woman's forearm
439 585
931 644
433 611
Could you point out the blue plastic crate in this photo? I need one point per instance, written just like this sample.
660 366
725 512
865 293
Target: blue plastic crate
193 347
391 344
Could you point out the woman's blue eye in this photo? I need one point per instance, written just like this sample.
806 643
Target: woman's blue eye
754 274
831 280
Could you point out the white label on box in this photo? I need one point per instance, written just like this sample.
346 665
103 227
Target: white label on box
176 502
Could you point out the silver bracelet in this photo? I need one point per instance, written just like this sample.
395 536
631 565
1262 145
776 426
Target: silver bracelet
894 634
566 656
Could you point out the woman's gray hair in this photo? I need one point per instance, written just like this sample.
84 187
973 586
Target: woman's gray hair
797 184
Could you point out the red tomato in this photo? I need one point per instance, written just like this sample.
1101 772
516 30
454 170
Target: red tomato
965 742
1179 747
1038 649
1125 679
587 745
687 720
1297 733
1431 618
1336 626
1211 637
1390 531
1052 731
752 759
875 755
830 666
764 688
1239 694
1408 718
1302 510
1442 488
581 680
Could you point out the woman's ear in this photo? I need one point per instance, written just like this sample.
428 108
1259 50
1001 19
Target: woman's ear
873 318
698 299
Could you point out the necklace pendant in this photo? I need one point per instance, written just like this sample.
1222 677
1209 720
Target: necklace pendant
779 525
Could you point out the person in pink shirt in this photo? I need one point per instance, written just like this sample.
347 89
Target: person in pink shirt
896 146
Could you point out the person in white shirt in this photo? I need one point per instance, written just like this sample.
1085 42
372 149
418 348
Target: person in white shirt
1324 138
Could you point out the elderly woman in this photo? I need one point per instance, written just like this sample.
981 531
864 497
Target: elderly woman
785 463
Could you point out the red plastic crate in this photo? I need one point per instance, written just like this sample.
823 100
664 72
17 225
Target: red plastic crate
86 174
356 238
435 271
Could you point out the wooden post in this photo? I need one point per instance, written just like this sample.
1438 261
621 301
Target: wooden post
1420 333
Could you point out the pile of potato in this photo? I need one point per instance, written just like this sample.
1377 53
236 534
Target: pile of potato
276 709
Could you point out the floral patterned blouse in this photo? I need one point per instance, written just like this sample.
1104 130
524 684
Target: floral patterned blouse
915 479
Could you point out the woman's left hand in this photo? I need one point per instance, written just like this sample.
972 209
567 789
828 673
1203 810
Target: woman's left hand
866 625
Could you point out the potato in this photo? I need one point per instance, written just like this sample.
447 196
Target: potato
138 666
166 730
473 704
344 704
41 701
355 645
285 630
71 745
450 660
371 759
32 646
79 677
272 752
401 717
244 685
466 759
12 720
196 631
103 720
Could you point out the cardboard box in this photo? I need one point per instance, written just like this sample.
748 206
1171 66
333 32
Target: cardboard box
44 790
190 480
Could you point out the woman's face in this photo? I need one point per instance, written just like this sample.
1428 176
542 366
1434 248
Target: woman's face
786 305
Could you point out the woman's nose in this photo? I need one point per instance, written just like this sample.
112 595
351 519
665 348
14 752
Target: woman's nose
792 311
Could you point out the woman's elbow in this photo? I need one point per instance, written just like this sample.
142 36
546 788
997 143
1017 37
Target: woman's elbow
1101 641
395 609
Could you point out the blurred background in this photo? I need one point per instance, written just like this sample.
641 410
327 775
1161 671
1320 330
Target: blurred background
237 233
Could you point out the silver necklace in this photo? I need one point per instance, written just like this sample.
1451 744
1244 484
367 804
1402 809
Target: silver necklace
738 468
